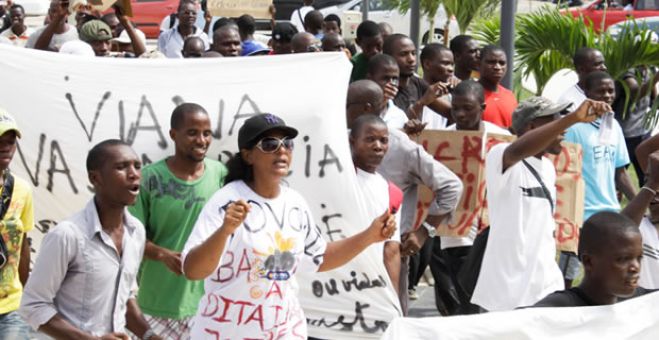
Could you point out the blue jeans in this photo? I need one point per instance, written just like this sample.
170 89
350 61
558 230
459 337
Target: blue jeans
12 327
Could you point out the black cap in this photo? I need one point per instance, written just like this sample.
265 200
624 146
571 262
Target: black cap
256 126
283 32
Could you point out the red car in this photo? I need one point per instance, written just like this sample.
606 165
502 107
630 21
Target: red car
615 12
148 14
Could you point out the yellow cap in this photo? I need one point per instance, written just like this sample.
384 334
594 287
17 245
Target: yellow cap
8 123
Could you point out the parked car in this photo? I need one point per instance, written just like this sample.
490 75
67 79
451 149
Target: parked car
615 12
378 11
651 23
148 14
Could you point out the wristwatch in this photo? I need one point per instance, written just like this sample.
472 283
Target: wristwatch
148 334
432 231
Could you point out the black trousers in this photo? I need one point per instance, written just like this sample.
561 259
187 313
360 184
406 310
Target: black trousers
450 297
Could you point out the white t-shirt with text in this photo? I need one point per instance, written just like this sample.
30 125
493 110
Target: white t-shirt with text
519 266
253 292
468 240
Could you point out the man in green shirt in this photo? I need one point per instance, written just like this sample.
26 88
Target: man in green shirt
172 193
370 42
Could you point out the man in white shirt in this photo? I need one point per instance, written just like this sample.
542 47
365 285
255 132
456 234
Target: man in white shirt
18 32
586 60
170 42
369 142
52 36
519 266
407 165
83 279
297 17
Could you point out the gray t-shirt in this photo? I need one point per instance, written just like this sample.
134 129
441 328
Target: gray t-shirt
633 122
57 40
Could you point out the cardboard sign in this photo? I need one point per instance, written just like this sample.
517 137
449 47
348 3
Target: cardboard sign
463 153
102 5
259 9
570 191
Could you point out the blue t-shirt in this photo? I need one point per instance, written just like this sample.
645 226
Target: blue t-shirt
251 46
600 162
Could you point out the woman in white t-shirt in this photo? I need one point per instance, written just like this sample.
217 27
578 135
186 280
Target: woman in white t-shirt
253 235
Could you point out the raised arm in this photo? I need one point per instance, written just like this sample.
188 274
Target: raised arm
636 207
537 140
138 45
644 150
202 260
58 17
624 183
341 252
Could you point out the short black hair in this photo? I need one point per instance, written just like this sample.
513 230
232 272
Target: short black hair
333 17
178 115
221 22
190 39
246 24
594 78
431 51
488 49
380 60
364 120
15 6
98 154
367 29
313 20
582 55
459 43
601 229
388 46
183 2
470 87
363 91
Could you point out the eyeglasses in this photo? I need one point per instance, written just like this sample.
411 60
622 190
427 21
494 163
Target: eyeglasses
272 144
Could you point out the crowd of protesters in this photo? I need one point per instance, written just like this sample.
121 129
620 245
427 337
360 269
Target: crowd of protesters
102 273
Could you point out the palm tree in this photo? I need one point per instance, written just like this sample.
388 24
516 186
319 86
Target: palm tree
465 11
546 40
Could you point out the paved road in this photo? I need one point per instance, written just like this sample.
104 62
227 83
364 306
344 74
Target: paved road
424 306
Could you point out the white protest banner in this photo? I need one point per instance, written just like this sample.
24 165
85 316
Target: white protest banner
634 319
66 104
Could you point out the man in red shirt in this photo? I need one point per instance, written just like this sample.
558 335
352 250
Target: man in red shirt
499 101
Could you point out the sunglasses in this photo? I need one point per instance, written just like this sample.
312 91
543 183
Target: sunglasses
272 144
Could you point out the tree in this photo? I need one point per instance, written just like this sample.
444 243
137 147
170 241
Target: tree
464 11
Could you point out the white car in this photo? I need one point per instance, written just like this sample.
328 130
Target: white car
34 7
650 23
379 12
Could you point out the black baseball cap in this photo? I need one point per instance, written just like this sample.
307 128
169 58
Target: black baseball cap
283 32
258 125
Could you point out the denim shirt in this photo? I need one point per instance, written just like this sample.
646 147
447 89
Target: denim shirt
80 276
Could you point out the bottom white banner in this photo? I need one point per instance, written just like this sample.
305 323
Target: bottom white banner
636 319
